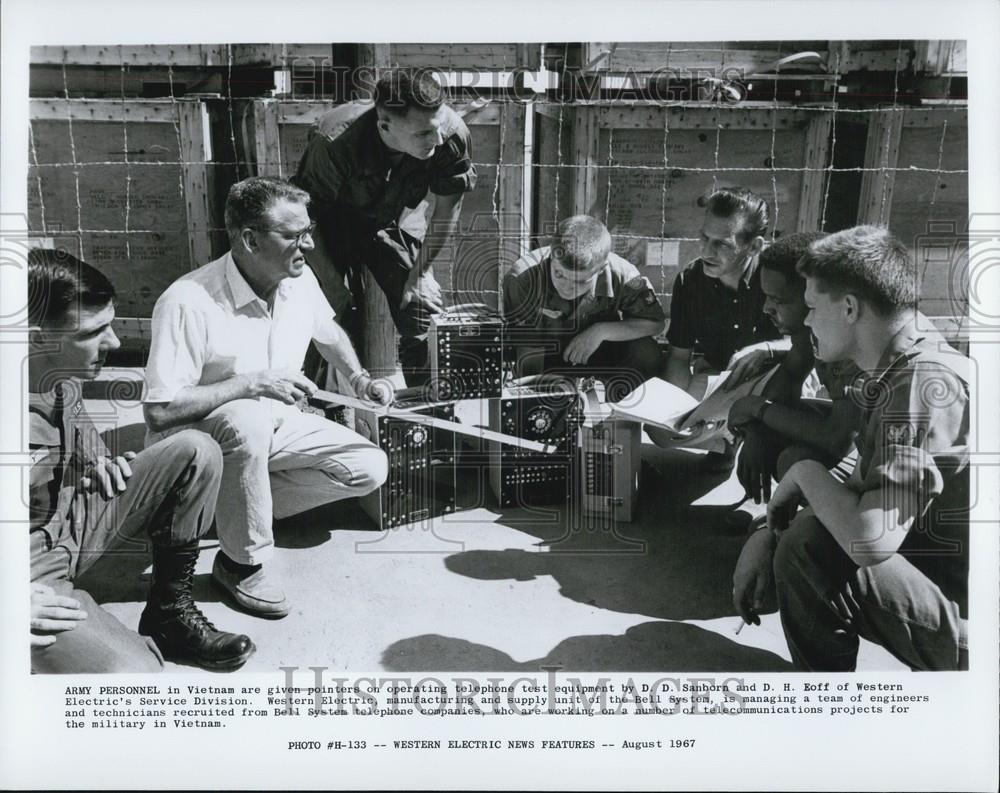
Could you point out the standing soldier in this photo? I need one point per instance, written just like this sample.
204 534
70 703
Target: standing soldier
365 164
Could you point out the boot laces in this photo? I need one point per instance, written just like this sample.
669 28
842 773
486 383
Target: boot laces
187 609
193 616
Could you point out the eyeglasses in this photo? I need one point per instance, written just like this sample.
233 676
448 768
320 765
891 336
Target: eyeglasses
296 236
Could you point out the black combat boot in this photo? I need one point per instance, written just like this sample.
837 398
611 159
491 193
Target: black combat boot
175 623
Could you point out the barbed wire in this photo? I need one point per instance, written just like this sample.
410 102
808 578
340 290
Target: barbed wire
718 116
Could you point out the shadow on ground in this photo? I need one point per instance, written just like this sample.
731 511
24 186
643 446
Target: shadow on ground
674 562
649 647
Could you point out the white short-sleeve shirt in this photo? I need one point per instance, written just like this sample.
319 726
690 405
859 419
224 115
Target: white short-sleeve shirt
209 325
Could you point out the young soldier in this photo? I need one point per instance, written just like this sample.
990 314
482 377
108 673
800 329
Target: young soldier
364 166
884 555
576 307
84 503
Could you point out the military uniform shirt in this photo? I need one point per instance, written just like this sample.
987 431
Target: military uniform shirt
346 167
532 304
715 321
914 439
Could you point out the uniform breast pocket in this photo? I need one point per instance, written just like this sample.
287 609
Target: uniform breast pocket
43 484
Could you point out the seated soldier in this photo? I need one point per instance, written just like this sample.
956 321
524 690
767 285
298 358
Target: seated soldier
576 308
84 503
716 310
778 427
885 554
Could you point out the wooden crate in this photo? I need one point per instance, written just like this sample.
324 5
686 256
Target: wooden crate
143 222
646 168
493 220
904 190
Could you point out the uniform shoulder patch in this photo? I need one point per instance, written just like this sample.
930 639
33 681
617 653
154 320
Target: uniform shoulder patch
900 433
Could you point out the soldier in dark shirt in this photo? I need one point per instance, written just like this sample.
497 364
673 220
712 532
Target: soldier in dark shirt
366 165
84 502
575 307
779 428
886 554
717 307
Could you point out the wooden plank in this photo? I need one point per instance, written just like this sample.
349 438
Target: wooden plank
935 116
529 56
586 140
281 55
889 57
196 153
310 111
551 171
380 339
707 115
371 61
134 331
881 156
707 58
764 116
462 56
817 159
838 55
933 56
267 142
134 82
958 64
135 55
134 110
513 227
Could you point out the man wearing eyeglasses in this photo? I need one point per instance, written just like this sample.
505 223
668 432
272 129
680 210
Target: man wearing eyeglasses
229 340
577 308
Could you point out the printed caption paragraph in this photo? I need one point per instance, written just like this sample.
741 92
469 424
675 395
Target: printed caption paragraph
153 707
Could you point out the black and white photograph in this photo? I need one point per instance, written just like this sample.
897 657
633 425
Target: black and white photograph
356 383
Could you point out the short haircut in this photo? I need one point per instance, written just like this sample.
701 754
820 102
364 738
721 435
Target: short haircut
867 262
58 282
580 241
731 201
248 201
400 90
783 255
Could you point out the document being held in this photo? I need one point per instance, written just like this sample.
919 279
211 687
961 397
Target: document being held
664 405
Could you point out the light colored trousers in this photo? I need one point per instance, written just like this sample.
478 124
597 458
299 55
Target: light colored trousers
277 462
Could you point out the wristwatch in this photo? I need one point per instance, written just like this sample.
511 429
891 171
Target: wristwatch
354 378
